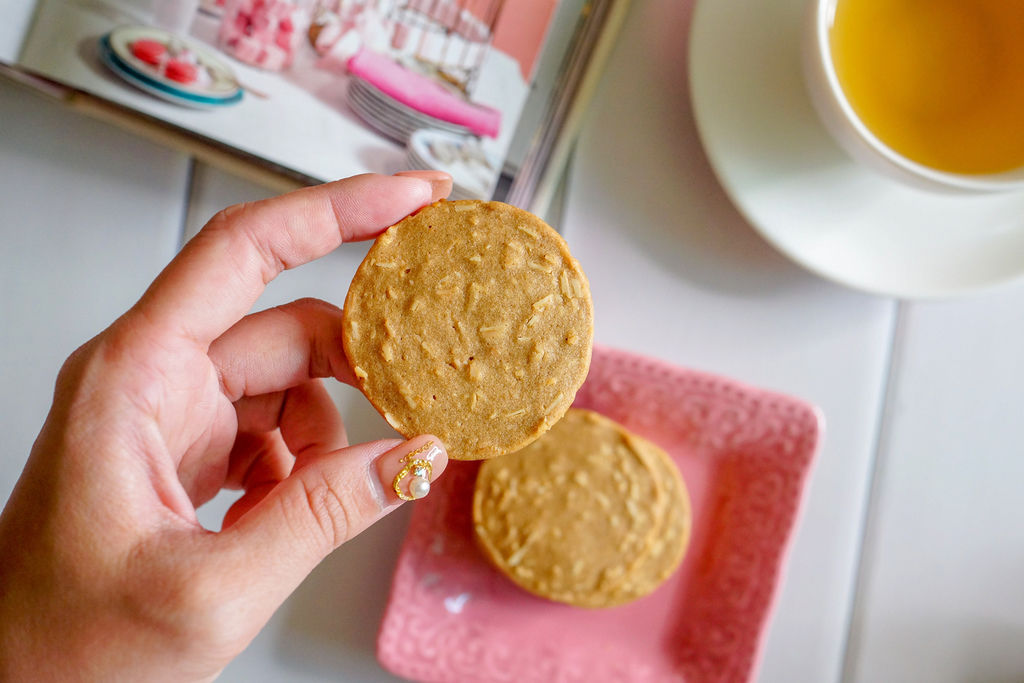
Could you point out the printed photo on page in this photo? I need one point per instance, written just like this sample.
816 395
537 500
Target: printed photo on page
319 88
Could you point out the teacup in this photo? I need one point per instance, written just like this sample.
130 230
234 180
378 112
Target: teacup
930 93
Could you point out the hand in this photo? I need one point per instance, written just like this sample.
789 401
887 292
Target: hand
105 572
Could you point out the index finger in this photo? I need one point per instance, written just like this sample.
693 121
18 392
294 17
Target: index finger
219 274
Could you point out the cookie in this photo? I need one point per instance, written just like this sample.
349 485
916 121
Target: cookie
664 554
589 515
471 321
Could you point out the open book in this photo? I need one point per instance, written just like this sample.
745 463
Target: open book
306 91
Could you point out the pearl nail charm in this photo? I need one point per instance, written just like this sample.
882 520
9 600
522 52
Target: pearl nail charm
419 487
420 468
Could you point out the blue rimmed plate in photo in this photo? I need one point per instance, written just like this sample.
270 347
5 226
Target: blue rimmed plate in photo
216 85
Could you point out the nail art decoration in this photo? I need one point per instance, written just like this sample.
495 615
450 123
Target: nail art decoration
418 464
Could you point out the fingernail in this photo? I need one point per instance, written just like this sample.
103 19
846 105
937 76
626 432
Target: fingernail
440 182
407 471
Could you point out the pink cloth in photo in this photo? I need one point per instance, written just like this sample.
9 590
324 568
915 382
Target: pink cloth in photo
422 94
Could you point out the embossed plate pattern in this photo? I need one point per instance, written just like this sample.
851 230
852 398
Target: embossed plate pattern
745 455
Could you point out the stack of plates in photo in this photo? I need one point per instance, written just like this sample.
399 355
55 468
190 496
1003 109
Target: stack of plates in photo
474 170
390 117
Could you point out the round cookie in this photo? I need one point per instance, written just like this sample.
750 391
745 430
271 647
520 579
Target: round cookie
587 515
471 321
668 544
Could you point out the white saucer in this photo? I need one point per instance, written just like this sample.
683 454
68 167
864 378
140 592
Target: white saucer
801 191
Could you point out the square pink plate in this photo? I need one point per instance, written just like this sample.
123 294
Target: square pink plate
744 454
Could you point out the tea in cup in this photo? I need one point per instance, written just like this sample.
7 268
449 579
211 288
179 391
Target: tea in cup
927 91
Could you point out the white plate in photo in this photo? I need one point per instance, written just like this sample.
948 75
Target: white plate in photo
414 163
385 101
414 118
806 196
221 89
474 170
406 119
379 118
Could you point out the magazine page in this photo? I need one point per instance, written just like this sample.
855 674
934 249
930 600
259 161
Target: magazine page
323 88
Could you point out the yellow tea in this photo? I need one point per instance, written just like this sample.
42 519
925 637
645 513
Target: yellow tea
939 81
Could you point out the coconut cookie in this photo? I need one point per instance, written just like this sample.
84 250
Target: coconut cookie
588 515
470 320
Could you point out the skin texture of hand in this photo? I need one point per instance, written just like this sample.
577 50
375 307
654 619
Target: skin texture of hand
105 572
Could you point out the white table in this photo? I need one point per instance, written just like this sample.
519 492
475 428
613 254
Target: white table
909 556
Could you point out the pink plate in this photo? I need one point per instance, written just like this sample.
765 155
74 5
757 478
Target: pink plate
744 453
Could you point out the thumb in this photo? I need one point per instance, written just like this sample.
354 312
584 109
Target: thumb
319 506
